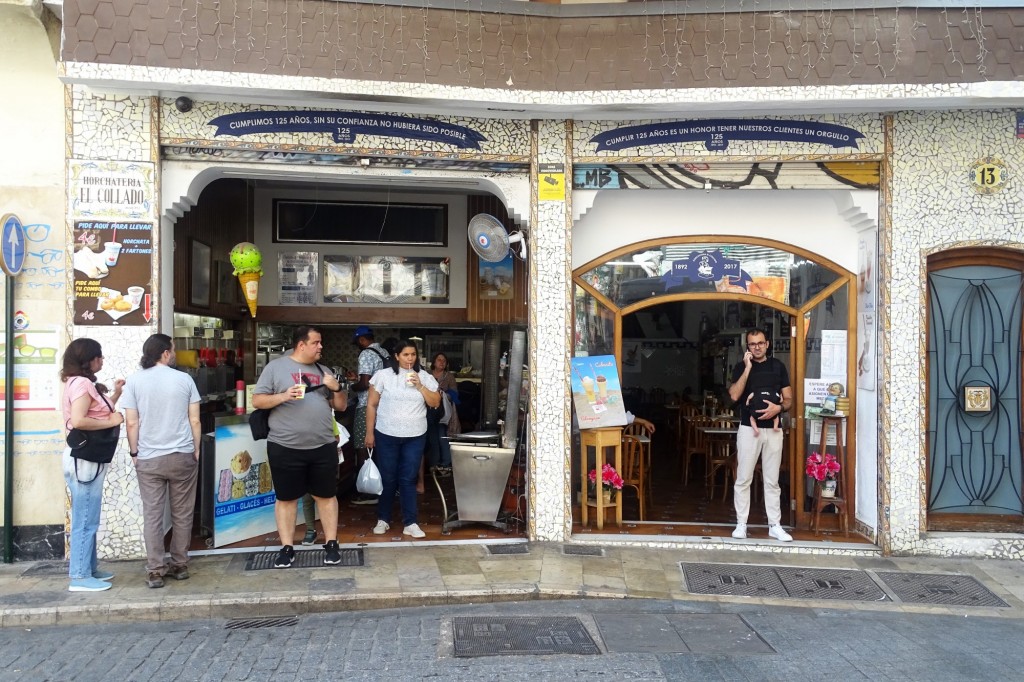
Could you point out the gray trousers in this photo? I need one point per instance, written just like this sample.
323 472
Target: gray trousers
169 478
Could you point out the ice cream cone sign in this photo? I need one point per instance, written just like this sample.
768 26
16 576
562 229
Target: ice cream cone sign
248 261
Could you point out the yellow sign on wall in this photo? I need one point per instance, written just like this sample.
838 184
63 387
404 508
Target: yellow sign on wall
551 182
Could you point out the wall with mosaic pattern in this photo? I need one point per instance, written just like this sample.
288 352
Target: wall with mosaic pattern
934 207
102 127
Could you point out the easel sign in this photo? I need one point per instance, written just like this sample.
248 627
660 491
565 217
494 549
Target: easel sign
596 392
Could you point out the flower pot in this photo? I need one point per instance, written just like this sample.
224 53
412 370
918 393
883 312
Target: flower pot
828 487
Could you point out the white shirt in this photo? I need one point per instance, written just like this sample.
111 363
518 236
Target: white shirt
401 412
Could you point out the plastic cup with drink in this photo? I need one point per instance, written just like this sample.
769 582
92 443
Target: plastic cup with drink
588 388
111 252
409 377
301 389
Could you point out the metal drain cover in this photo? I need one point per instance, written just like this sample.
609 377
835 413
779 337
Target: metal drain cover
732 579
259 623
509 548
499 636
304 558
582 550
940 588
827 583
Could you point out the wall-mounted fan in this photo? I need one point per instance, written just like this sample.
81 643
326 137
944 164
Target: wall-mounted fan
489 240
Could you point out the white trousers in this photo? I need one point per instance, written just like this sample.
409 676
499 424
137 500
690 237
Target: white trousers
767 445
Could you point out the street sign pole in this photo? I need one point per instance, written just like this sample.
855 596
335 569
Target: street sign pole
12 258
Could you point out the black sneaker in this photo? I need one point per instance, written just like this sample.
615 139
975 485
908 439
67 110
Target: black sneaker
332 555
285 557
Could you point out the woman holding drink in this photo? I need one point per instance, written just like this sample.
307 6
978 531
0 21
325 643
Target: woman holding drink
396 424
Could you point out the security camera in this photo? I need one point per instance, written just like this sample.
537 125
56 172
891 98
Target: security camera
183 104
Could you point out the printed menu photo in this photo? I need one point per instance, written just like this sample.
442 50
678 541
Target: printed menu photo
113 273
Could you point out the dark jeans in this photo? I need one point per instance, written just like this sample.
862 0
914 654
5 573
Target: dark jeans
439 451
398 460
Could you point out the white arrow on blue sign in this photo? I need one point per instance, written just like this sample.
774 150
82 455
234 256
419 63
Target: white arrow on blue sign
12 245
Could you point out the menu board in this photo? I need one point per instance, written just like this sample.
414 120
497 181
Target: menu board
113 263
243 497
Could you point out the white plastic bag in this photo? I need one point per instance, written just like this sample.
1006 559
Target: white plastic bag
368 481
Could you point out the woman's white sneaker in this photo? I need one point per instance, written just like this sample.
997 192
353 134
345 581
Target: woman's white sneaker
414 530
740 533
381 528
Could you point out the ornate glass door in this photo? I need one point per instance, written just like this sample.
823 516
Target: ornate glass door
974 401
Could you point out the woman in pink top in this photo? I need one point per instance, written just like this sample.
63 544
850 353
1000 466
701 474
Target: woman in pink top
87 409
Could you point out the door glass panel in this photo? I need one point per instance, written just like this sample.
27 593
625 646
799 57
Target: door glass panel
710 267
827 343
595 326
974 376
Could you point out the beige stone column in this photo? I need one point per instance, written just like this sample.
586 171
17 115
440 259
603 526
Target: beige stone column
550 335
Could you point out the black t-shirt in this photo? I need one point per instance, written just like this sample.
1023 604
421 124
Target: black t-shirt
765 382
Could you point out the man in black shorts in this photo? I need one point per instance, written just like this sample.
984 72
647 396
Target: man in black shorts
301 449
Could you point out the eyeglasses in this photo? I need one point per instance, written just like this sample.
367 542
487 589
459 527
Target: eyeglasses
757 344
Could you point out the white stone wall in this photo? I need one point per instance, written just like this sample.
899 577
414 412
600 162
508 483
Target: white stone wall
934 207
550 336
104 126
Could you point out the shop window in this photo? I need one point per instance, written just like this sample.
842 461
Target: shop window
360 222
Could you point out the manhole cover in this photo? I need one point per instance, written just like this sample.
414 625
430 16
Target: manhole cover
259 623
511 548
732 579
940 588
582 550
306 558
827 583
497 636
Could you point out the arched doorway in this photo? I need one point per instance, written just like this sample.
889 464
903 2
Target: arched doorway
674 311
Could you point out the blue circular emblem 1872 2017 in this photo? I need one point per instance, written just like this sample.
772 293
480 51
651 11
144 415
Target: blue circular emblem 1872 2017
12 244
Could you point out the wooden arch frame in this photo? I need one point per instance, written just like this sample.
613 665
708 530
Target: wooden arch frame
843 278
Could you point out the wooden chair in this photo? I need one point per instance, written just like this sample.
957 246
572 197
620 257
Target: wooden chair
633 472
642 434
682 426
696 444
721 457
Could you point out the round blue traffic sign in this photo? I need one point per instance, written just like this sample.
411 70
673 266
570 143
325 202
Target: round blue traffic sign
12 245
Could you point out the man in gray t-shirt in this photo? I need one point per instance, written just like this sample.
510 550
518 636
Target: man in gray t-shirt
301 449
162 423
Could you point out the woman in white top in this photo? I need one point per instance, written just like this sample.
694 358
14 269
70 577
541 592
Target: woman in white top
396 425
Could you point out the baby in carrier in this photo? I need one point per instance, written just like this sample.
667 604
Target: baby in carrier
759 400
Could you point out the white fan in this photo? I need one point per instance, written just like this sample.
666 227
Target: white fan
489 240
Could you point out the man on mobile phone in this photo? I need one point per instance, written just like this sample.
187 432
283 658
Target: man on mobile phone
760 385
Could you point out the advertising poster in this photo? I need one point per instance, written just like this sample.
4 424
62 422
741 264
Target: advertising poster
385 279
496 279
113 263
296 272
35 370
866 272
596 392
244 495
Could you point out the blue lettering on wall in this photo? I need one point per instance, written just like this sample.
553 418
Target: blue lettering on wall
345 125
717 133
244 504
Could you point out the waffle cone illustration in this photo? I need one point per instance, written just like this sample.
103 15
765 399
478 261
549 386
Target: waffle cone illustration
250 282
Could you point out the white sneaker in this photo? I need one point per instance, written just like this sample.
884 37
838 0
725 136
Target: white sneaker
779 534
381 528
414 530
740 533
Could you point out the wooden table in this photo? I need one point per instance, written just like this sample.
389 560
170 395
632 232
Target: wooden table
599 439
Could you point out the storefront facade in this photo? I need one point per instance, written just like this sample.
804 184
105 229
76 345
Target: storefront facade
924 191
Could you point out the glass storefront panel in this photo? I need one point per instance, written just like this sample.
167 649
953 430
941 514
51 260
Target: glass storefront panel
710 267
595 326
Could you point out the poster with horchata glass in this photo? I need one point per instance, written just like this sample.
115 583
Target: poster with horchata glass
113 270
596 392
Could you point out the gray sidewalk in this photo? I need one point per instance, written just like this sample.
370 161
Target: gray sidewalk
407 574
